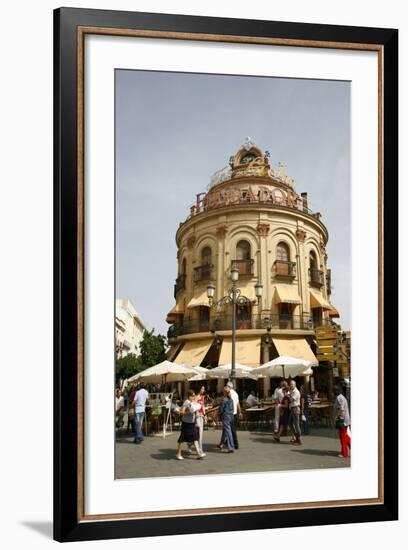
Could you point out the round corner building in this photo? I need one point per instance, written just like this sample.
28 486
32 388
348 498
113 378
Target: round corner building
252 219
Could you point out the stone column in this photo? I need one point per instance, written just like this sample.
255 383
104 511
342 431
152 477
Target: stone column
220 232
263 230
265 359
303 272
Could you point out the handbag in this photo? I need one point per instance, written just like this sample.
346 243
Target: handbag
339 423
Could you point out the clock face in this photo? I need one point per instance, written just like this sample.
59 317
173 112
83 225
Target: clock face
247 158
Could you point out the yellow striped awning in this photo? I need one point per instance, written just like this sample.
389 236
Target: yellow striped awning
194 352
247 351
178 309
199 299
317 300
294 347
333 311
173 352
287 294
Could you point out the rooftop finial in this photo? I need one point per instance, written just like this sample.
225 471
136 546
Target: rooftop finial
248 143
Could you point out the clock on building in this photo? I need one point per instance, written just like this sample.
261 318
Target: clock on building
247 158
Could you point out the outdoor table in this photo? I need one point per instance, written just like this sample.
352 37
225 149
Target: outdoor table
316 411
212 414
260 410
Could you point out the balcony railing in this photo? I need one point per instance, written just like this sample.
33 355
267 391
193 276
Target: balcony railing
203 272
328 281
284 269
224 322
245 267
180 283
316 278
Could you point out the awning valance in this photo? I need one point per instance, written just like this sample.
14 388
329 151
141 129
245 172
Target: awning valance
287 294
317 300
199 299
193 352
178 309
294 347
247 351
333 311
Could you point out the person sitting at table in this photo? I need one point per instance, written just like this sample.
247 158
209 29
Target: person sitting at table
251 399
284 413
188 432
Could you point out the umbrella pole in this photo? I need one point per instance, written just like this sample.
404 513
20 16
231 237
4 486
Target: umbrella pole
283 371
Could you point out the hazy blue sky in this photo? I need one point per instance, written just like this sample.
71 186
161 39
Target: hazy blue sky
173 131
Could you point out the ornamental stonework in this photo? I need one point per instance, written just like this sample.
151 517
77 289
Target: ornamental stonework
221 231
263 229
301 235
191 241
322 246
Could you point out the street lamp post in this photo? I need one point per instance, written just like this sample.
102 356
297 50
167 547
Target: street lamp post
234 297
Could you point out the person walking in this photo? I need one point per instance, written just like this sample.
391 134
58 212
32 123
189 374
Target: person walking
200 417
342 421
294 406
119 408
284 413
305 401
140 400
188 432
227 417
277 399
237 413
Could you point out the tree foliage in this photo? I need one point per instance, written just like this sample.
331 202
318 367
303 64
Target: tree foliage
152 348
128 366
152 351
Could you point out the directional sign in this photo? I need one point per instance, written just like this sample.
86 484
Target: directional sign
327 357
327 338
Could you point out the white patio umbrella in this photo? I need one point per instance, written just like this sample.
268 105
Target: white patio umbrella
202 374
284 366
164 372
241 371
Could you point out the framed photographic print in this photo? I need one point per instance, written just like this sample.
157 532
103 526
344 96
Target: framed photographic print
225 274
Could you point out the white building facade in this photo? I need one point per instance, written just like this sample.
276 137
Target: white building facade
129 328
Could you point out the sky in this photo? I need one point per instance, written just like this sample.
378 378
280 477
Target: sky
174 130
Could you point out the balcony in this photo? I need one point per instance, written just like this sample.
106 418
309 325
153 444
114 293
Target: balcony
328 281
223 321
245 267
316 278
284 269
203 272
180 283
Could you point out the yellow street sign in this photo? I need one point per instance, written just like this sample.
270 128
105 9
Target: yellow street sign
327 357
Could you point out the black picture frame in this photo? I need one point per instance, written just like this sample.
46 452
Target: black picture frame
67 525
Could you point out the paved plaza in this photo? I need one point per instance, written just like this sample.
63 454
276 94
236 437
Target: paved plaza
258 452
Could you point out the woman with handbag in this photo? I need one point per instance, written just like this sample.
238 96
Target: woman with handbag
342 421
188 425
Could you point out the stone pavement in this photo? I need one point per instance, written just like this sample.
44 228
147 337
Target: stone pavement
155 457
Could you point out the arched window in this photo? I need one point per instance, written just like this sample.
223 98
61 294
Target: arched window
282 252
315 274
312 260
243 251
243 261
206 256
